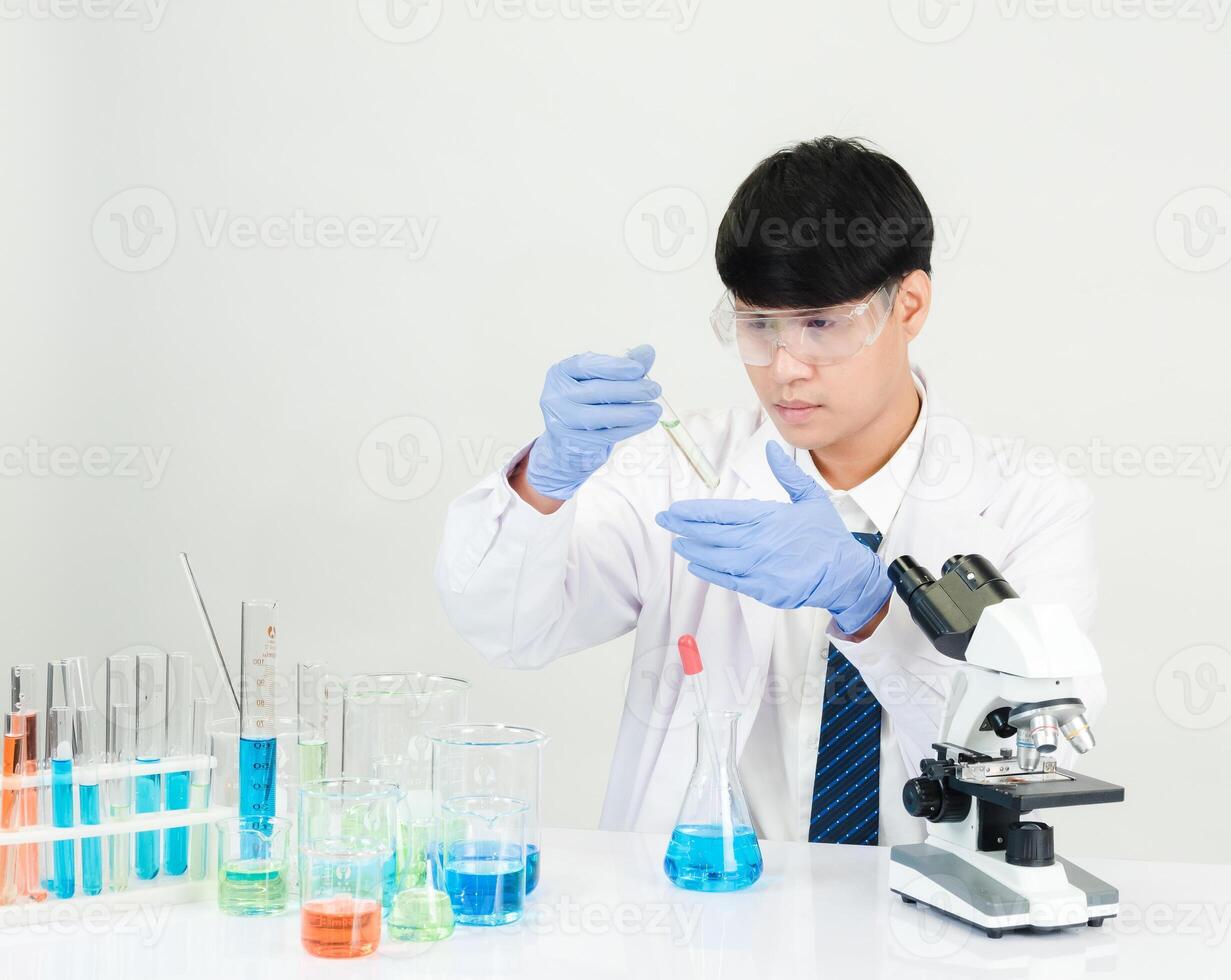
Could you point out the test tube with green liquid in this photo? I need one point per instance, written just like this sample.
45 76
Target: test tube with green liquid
313 718
120 794
686 444
198 792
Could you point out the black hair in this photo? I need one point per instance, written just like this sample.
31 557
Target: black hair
823 222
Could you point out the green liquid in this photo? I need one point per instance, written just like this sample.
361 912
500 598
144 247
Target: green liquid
412 855
252 886
198 835
119 850
312 758
422 915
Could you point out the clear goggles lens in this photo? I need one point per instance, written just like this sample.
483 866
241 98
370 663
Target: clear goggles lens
821 336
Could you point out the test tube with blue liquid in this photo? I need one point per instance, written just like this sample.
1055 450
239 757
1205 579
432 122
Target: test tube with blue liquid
86 760
258 741
41 804
178 784
60 735
151 725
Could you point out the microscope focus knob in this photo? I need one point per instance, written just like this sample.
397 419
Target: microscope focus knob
1030 844
928 798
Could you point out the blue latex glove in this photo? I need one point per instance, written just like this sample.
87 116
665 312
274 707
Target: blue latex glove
590 402
784 555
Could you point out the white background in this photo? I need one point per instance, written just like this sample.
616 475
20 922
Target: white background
523 140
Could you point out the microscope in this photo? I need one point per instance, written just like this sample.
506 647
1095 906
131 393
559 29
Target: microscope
987 860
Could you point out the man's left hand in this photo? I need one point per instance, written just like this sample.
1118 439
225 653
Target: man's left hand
784 555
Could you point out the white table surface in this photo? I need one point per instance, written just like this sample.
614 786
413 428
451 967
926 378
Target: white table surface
605 909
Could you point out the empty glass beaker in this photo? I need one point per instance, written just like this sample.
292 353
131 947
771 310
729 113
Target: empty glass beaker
713 847
483 858
341 883
354 809
252 865
384 721
493 760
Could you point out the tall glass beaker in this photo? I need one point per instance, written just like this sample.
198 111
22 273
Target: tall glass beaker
385 718
493 760
713 847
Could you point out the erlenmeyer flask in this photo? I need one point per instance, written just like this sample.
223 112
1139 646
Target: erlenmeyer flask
713 847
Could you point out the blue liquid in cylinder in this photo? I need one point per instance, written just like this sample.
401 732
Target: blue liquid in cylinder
258 758
176 839
148 790
91 847
695 858
485 883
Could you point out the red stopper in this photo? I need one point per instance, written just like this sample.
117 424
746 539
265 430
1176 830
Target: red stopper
690 656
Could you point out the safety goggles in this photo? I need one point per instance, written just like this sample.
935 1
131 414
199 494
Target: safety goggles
828 335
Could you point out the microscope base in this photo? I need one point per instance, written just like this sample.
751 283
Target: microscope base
981 889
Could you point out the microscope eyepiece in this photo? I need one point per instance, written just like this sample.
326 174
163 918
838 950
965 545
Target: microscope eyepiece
948 609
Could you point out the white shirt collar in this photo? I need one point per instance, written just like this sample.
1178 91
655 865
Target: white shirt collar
879 496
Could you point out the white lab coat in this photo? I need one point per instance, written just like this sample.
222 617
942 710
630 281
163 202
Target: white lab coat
525 588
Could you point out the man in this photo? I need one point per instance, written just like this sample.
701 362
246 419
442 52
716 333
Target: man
849 462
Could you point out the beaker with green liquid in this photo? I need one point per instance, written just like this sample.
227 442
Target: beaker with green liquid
253 867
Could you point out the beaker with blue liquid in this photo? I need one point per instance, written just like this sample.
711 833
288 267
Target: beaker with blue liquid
493 760
713 847
483 858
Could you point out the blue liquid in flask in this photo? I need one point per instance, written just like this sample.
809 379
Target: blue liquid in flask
695 858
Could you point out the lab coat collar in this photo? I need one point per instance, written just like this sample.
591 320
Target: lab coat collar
880 495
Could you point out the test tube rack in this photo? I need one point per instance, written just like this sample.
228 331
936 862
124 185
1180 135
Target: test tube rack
163 890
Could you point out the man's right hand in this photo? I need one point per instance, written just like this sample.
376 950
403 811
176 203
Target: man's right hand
590 402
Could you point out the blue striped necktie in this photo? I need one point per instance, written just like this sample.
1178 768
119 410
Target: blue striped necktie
846 791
